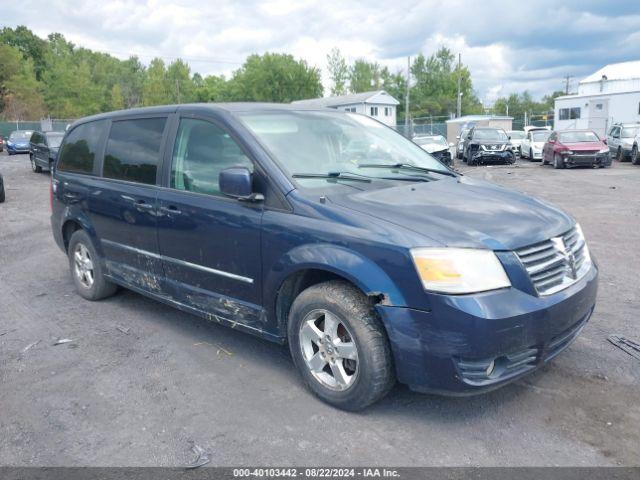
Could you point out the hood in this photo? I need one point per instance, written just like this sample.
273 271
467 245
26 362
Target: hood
462 213
585 146
516 141
434 147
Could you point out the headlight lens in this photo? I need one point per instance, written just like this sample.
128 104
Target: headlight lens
459 270
604 150
567 152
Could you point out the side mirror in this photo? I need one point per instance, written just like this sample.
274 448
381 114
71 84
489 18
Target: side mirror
237 182
604 140
451 145
457 137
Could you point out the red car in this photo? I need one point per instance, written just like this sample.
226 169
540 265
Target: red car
573 148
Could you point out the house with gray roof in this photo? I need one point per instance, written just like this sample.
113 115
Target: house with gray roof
377 104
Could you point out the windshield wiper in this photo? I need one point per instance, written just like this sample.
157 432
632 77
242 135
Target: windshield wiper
407 166
333 175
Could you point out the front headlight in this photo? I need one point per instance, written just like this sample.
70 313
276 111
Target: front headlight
567 152
604 150
459 270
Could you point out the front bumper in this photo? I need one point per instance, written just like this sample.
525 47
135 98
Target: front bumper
450 348
590 160
488 156
18 148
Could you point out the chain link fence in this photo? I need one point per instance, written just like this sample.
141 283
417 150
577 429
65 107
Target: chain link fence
46 125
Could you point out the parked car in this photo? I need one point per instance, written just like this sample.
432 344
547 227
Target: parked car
620 140
1 143
18 141
516 137
436 145
43 149
533 143
635 149
371 269
487 145
576 148
460 142
1 189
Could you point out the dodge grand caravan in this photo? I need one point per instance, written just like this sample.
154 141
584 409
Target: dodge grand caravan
374 267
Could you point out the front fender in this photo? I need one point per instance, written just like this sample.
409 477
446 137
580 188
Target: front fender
358 269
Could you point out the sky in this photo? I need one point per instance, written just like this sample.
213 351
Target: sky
509 46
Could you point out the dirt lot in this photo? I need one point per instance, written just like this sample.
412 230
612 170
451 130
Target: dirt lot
140 398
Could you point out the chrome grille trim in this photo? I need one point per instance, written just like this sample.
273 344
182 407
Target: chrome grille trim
557 263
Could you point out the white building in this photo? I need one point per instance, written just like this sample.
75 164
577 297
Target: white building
377 104
610 95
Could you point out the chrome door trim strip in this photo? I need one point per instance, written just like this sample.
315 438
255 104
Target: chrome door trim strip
221 273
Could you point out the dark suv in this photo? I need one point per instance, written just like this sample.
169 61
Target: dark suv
370 265
488 145
43 149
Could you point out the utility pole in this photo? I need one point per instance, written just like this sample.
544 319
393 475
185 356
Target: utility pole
566 83
459 102
178 90
406 99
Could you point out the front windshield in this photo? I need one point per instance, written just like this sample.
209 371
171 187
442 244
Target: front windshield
629 132
54 140
431 139
541 136
575 137
20 135
322 143
516 135
491 134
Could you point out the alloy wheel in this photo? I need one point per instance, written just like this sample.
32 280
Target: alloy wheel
329 350
83 265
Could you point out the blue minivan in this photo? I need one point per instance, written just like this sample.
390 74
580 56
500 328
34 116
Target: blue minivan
327 231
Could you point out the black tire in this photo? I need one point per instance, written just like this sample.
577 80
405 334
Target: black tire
558 164
34 167
620 155
530 155
635 155
9 153
1 191
100 287
375 372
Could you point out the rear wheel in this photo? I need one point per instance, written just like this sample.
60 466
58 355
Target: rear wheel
86 268
557 162
635 155
339 345
1 190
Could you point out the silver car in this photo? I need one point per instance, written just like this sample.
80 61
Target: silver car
620 140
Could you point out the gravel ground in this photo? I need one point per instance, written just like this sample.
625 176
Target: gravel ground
141 381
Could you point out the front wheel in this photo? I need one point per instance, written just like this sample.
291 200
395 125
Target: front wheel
620 155
86 268
339 345
635 155
34 167
557 162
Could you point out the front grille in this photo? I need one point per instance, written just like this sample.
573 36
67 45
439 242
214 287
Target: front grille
556 263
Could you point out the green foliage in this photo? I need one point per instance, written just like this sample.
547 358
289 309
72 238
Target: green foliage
20 95
274 77
516 104
364 76
338 72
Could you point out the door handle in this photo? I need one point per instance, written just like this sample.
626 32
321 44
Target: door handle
72 197
143 206
170 210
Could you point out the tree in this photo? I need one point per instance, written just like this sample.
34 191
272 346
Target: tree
436 86
365 76
338 72
274 77
30 46
20 96
180 86
117 100
154 88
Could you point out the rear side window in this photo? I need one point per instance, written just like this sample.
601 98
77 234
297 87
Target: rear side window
79 151
133 150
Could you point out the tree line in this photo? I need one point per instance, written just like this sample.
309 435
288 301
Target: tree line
53 77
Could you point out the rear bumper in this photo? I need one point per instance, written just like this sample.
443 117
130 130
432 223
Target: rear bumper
509 332
17 149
